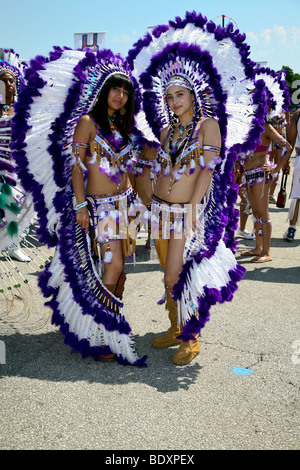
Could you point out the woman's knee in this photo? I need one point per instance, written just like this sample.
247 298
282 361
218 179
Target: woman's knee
170 280
260 221
118 266
114 269
262 215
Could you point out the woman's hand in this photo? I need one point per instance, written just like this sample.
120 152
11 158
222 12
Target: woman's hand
83 218
286 168
270 170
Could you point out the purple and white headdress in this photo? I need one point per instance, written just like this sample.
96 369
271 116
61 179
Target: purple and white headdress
178 80
59 90
215 61
278 97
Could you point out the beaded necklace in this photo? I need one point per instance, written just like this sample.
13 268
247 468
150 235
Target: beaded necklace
178 147
115 138
6 107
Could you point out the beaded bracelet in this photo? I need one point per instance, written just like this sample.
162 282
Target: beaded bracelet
212 148
278 143
80 145
79 206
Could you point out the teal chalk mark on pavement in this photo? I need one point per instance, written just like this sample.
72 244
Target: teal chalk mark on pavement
242 371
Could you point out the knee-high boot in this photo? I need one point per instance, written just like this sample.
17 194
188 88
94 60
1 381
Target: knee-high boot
109 357
120 286
187 351
170 337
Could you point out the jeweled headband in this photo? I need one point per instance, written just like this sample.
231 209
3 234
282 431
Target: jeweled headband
8 68
178 80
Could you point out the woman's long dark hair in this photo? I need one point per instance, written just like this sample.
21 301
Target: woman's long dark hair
122 122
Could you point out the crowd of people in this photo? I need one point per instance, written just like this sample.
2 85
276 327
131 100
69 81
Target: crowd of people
167 137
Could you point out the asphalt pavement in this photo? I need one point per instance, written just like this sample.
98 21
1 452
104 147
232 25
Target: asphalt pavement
240 393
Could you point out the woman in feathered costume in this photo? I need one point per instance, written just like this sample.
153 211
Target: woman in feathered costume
74 154
16 208
202 105
259 171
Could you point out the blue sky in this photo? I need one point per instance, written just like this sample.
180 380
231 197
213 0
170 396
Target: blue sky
34 26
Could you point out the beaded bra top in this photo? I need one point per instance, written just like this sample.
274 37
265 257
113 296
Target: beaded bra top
189 158
109 152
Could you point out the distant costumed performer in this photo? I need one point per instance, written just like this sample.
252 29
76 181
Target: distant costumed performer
259 171
16 206
219 116
65 157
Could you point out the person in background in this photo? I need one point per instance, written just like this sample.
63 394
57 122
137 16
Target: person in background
279 123
293 136
245 207
10 76
258 177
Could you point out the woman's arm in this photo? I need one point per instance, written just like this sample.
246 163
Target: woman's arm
81 138
211 142
143 181
291 131
280 142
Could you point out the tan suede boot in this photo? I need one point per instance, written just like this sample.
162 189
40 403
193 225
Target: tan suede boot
187 351
170 337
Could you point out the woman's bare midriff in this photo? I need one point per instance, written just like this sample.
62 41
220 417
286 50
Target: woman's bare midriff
181 191
100 184
258 159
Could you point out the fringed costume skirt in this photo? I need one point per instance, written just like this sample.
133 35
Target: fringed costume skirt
89 316
206 278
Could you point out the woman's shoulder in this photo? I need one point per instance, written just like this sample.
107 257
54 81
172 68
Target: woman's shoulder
209 123
86 120
87 123
164 134
207 127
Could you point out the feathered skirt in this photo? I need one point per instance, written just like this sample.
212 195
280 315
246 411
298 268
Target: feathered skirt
88 314
205 279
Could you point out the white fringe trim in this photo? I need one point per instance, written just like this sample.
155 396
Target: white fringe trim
211 273
82 324
44 110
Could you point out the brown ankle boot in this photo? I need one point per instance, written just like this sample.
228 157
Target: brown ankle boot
187 351
170 337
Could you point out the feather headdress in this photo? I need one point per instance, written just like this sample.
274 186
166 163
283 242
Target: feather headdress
59 90
277 93
215 61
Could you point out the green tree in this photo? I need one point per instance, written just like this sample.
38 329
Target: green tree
293 84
